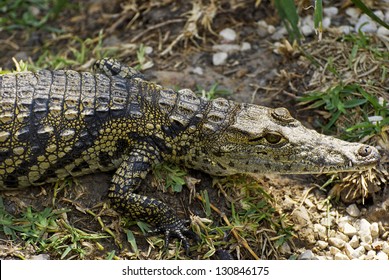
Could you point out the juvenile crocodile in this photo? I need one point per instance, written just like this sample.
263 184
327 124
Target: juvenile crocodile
55 124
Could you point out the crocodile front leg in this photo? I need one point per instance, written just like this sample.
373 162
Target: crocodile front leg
126 180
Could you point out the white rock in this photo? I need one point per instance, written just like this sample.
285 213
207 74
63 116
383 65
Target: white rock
348 229
382 31
348 250
198 70
337 242
302 216
342 236
322 244
148 50
307 30
358 252
334 250
228 34
320 230
271 29
375 232
307 255
264 28
381 256
353 210
377 245
345 29
327 221
380 14
385 247
367 246
371 255
219 58
330 11
309 203
354 242
245 46
227 48
353 12
285 249
326 22
366 24
375 119
364 226
279 34
341 256
366 238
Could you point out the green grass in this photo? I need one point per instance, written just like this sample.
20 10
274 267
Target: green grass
354 109
213 92
30 14
48 231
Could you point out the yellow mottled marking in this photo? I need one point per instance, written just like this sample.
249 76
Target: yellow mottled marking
4 135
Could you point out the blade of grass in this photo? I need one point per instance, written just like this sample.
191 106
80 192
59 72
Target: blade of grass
369 12
288 13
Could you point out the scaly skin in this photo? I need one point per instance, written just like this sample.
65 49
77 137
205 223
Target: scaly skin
55 124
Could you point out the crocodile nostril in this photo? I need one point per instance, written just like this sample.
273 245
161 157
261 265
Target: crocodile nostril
364 151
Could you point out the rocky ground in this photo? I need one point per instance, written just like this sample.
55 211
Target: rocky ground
244 49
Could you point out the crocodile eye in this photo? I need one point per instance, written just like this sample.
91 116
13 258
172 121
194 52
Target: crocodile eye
273 138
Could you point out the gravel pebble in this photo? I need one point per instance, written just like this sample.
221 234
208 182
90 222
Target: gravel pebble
322 244
40 257
219 58
337 242
285 249
307 255
245 46
227 48
366 24
366 245
320 230
358 252
301 214
381 256
364 226
382 31
353 210
371 255
375 232
327 221
198 70
341 256
330 11
348 249
349 230
354 242
353 12
385 247
377 245
334 250
326 22
228 34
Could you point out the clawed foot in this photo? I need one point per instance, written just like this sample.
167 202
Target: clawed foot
177 230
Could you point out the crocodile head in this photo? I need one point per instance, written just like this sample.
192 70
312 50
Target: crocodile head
265 140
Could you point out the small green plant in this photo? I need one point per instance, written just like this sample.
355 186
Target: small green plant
349 101
172 175
143 63
31 14
47 231
213 92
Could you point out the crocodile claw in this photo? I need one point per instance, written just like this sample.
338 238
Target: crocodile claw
176 230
